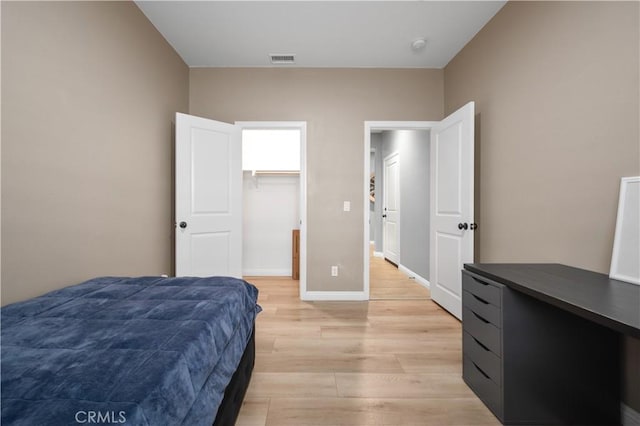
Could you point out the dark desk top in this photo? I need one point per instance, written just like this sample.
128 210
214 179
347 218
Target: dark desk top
596 297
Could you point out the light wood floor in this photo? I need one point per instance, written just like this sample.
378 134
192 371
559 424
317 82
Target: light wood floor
386 362
387 282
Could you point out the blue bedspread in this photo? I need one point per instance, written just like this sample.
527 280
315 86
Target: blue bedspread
138 351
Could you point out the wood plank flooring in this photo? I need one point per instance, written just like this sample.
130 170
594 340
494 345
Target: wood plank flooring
387 282
385 362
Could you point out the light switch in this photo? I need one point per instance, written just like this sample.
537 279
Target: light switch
347 206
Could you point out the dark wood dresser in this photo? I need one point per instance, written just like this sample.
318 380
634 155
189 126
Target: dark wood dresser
542 342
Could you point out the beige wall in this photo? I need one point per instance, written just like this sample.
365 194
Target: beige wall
556 91
556 87
334 103
0 159
89 90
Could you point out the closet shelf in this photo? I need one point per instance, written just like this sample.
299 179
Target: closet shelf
275 172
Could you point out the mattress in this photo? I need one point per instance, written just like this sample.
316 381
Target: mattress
143 351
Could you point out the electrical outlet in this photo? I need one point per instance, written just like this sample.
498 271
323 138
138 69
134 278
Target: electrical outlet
334 271
346 206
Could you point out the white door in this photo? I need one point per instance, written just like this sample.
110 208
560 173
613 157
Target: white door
391 208
452 220
208 198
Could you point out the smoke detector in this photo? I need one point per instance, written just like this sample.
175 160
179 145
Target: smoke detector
282 58
418 44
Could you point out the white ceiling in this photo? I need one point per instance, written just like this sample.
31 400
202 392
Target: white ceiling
340 34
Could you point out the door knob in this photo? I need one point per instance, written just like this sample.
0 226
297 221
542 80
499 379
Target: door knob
384 215
473 226
462 226
183 225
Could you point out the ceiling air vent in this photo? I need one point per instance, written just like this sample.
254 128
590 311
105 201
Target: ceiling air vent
280 59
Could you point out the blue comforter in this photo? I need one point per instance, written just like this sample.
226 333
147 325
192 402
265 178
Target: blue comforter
139 351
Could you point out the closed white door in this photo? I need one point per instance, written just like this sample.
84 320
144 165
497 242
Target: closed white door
391 208
208 198
452 216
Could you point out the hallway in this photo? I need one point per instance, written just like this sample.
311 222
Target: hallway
386 282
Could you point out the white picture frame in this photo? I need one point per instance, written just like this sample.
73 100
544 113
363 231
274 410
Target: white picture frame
625 259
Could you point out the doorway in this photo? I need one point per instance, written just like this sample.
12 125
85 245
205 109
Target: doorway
274 198
399 213
451 202
209 194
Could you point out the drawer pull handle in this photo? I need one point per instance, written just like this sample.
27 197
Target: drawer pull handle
480 282
480 299
480 318
480 370
480 343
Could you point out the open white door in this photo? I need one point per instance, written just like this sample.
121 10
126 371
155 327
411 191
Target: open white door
208 198
452 216
391 208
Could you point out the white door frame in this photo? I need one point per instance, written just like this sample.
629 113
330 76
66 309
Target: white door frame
368 127
302 126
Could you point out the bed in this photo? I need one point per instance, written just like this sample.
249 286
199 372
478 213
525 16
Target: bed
139 351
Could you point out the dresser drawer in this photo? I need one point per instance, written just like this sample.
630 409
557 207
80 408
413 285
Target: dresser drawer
486 360
486 310
489 292
483 386
480 328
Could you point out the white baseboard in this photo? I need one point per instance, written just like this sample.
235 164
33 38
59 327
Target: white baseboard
257 272
629 416
378 254
333 295
420 280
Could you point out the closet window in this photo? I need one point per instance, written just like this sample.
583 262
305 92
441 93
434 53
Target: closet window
271 150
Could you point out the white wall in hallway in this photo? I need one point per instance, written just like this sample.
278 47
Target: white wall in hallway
413 147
